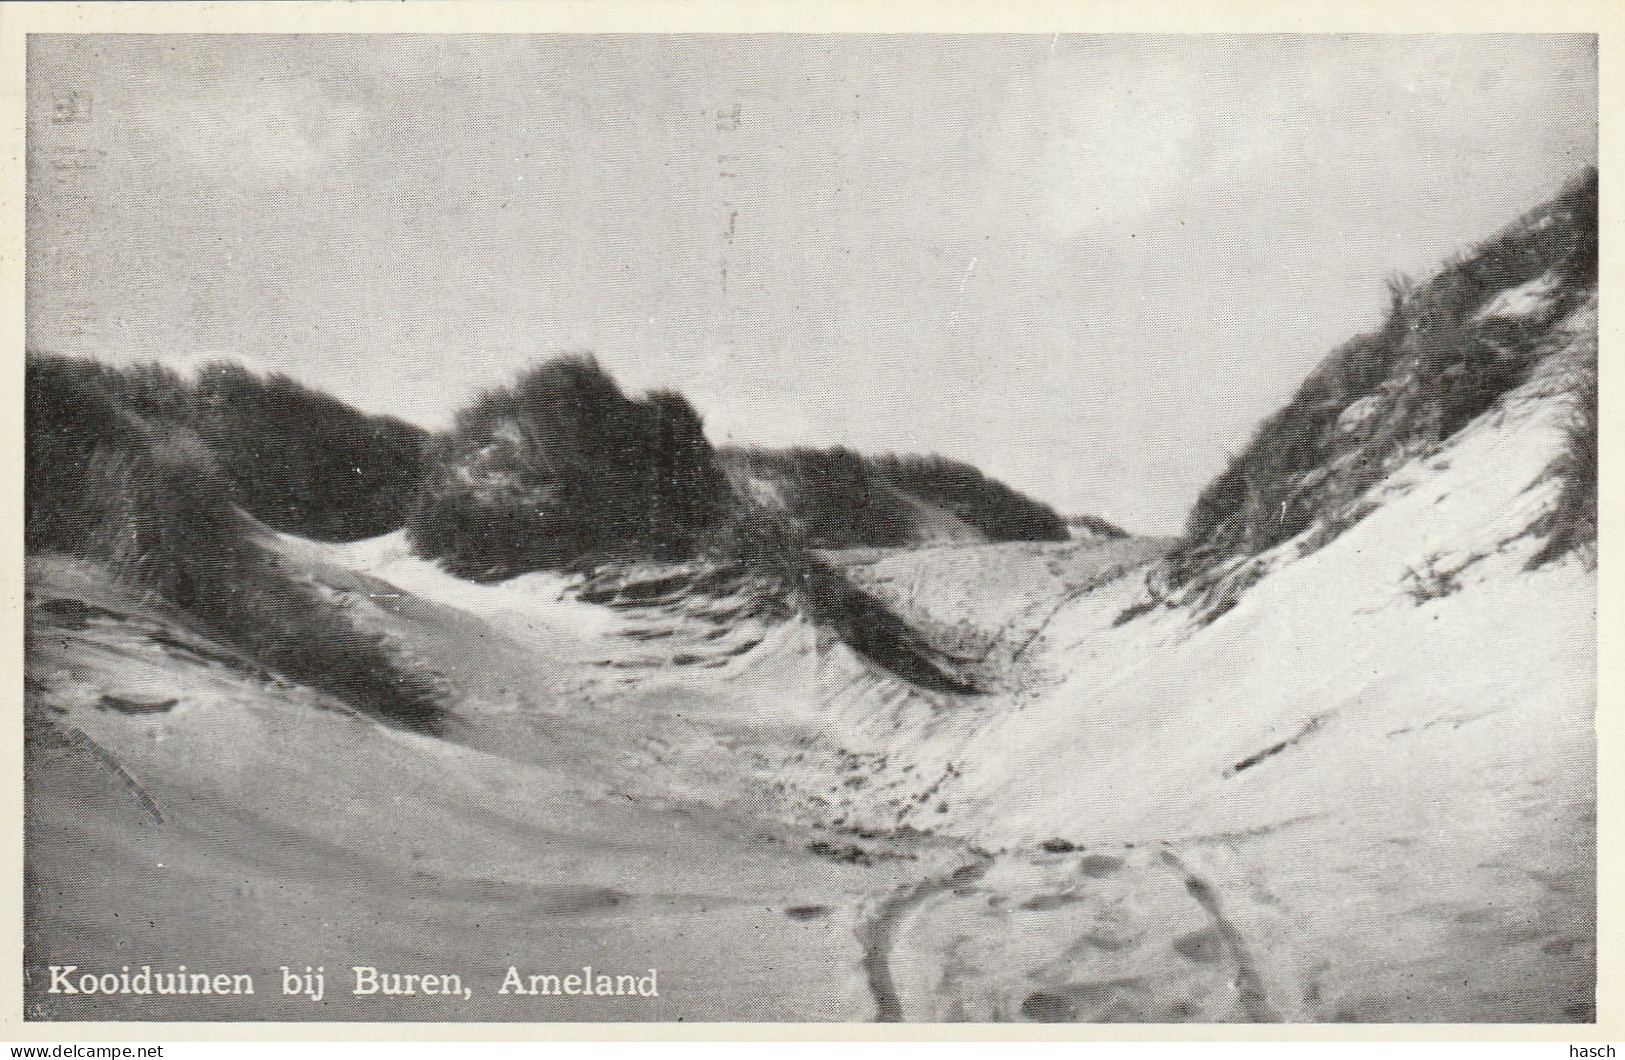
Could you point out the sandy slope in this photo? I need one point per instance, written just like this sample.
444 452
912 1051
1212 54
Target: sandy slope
1376 775
1366 793
245 827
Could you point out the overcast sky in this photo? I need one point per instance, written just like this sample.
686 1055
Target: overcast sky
1087 264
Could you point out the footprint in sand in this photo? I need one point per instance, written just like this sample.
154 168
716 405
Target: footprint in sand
1200 947
1099 866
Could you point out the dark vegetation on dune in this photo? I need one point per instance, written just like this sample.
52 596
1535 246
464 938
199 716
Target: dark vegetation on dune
305 462
824 496
989 506
836 498
1093 524
115 473
755 569
1383 398
826 597
1571 526
299 460
561 468
157 475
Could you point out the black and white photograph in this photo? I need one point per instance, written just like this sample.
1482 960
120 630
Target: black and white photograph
810 528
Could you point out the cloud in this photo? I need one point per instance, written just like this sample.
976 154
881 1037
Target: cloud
1165 125
256 132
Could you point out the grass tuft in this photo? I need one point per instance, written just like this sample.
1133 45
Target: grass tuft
297 459
149 499
1570 527
560 468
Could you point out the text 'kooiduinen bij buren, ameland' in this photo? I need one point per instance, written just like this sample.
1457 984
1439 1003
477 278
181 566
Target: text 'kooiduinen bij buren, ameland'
363 980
